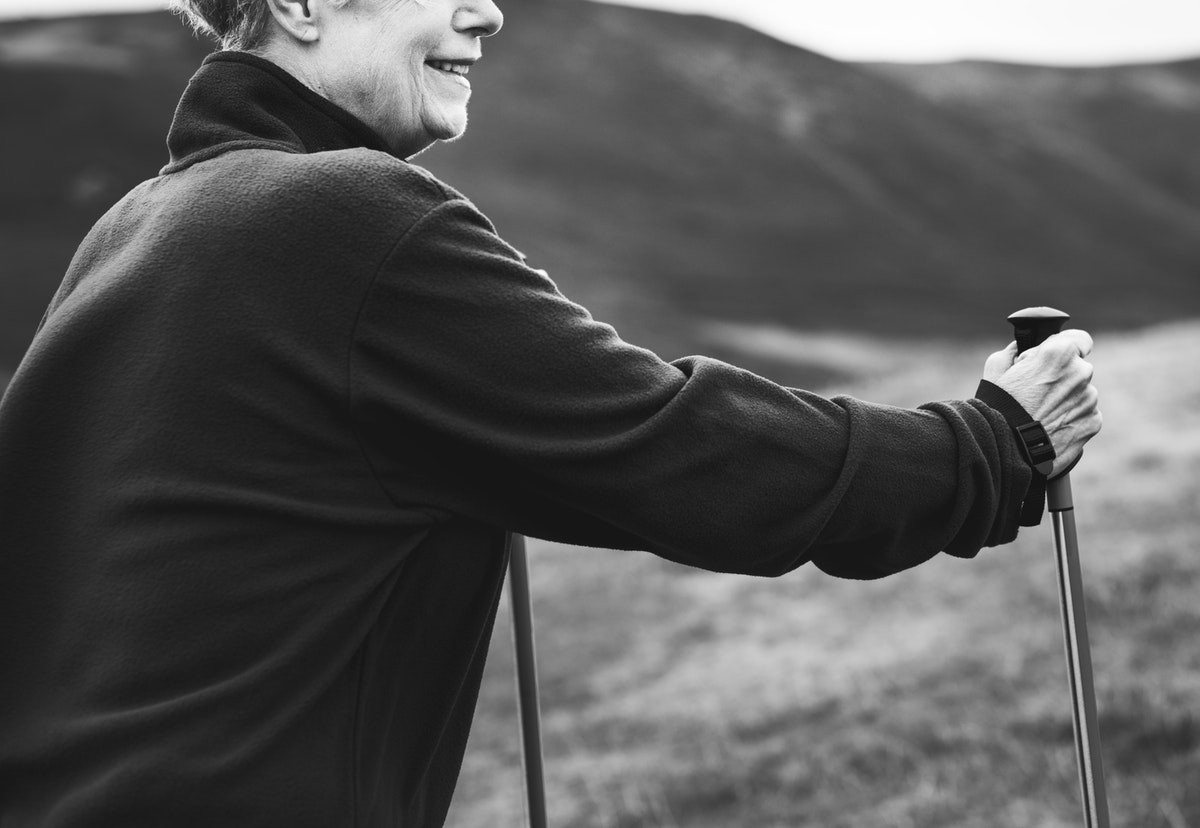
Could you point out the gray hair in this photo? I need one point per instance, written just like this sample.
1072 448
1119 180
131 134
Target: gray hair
241 25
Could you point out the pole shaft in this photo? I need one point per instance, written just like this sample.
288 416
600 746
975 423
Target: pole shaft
1031 327
1079 658
528 708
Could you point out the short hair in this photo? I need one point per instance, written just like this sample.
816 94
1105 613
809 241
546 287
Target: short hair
241 25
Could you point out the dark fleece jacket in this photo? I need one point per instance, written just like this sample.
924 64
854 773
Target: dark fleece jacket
258 465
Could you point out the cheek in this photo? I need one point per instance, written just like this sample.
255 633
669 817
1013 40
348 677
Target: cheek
437 103
393 96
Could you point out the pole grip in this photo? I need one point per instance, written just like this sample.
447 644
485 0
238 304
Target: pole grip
1033 326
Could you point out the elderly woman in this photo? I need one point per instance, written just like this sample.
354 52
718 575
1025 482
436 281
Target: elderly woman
259 463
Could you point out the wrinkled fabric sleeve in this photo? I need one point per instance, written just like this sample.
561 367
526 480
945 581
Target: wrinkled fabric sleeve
478 390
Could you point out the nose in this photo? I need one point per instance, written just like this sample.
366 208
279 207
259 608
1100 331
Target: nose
482 18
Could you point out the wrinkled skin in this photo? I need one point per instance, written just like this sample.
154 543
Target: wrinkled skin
373 58
1053 383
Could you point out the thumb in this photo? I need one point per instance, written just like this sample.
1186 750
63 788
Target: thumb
999 362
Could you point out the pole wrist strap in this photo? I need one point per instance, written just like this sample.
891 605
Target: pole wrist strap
1033 442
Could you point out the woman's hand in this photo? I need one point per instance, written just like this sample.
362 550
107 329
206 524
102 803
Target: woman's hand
1053 383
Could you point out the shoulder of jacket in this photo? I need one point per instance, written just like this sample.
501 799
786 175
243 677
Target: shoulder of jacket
358 197
370 174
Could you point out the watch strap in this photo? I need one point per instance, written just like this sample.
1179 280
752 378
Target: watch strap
1033 443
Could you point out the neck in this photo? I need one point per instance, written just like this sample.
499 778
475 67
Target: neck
300 61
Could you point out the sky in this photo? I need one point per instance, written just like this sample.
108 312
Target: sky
1063 32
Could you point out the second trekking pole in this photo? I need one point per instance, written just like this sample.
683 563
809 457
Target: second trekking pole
528 707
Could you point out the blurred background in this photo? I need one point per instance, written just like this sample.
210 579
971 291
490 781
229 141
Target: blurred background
848 197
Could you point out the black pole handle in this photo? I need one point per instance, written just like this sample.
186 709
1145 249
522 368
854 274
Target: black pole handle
1033 326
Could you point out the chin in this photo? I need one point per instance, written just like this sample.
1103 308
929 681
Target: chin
452 127
445 133
409 143
453 135
434 142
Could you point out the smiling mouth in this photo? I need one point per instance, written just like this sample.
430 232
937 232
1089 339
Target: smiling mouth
451 67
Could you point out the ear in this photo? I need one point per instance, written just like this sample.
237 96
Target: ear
295 18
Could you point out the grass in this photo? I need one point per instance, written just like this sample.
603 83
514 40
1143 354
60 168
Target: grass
674 697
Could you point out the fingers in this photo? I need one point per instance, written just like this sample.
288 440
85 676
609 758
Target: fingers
1073 348
1089 371
1070 435
1081 341
1053 383
1091 407
1064 346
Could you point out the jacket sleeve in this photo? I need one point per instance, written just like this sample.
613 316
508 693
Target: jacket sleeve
478 390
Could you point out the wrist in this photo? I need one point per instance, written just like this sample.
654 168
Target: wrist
1032 440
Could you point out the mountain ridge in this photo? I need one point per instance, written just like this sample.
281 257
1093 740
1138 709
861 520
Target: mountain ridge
673 170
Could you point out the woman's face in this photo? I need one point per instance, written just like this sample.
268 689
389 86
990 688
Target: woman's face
400 65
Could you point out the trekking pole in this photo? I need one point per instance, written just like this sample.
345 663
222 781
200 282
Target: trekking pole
1032 327
527 683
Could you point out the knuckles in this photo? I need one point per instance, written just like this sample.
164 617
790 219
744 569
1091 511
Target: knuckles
1059 362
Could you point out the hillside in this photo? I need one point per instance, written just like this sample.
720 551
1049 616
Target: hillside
671 172
1127 123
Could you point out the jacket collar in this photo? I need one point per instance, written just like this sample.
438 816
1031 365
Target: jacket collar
239 101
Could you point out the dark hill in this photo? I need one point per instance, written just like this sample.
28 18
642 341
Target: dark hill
1138 125
671 169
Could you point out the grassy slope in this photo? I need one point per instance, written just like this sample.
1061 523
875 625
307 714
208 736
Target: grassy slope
935 698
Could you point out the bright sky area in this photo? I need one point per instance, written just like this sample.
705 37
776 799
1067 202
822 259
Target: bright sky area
1027 31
